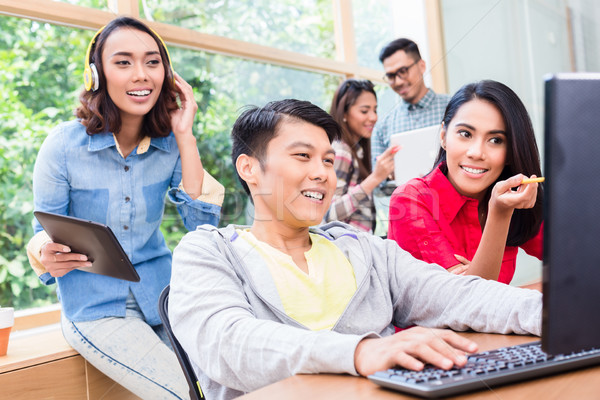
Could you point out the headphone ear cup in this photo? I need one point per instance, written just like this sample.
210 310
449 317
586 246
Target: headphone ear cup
87 77
90 77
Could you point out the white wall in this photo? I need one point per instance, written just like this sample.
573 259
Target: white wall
410 21
516 42
513 41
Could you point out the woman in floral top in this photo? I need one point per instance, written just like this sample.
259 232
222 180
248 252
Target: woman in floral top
354 107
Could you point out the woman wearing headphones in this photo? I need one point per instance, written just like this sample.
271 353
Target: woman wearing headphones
130 145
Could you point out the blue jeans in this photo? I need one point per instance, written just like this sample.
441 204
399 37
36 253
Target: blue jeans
131 352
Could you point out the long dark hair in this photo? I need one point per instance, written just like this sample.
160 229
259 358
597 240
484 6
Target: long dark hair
344 97
97 111
522 155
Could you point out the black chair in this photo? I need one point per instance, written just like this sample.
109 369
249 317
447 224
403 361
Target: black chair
184 361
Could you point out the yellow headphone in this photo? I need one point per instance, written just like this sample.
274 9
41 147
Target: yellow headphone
90 72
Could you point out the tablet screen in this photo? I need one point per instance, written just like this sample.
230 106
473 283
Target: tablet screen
417 155
95 240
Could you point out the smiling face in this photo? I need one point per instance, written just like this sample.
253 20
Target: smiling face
134 72
411 87
362 115
296 181
476 147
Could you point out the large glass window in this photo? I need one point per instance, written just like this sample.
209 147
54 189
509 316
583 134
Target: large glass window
378 22
373 29
300 26
40 78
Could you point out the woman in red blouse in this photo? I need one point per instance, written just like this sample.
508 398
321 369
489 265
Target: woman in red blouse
471 213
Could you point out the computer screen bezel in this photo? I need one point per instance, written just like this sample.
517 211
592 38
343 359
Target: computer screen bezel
571 266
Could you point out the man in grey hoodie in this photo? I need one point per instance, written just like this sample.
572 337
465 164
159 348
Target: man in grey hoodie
254 305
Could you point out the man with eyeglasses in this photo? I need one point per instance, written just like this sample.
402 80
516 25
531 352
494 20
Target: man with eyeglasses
420 106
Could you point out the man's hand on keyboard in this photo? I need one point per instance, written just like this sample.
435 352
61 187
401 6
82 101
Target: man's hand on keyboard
412 349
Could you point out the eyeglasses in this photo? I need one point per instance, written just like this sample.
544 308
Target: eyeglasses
401 73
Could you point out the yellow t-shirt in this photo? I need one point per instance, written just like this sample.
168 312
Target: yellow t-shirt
316 299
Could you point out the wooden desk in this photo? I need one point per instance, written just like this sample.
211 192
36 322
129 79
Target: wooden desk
44 366
580 384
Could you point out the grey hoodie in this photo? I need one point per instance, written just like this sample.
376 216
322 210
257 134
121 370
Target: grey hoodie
226 311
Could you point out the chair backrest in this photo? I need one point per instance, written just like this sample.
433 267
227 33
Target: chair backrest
184 361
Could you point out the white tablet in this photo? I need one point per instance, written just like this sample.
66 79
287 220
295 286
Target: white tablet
417 155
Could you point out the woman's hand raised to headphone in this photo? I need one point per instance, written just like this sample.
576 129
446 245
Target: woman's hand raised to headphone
182 122
182 119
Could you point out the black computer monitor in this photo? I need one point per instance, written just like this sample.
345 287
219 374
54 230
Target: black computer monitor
571 267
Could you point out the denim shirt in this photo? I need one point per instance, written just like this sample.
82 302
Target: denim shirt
85 176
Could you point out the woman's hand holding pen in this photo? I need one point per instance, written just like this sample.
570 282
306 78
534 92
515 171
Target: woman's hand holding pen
58 259
506 199
506 196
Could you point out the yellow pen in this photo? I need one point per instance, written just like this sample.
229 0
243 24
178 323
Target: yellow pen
532 180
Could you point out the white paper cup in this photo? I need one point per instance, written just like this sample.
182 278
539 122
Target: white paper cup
7 317
7 320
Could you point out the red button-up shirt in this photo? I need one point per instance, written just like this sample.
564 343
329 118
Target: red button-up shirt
432 221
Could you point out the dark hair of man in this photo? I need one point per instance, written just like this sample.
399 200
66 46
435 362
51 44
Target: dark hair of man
256 126
522 155
406 45
99 113
345 96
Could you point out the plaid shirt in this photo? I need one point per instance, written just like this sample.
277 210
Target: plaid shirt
350 202
405 117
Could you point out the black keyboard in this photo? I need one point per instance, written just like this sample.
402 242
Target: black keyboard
484 370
